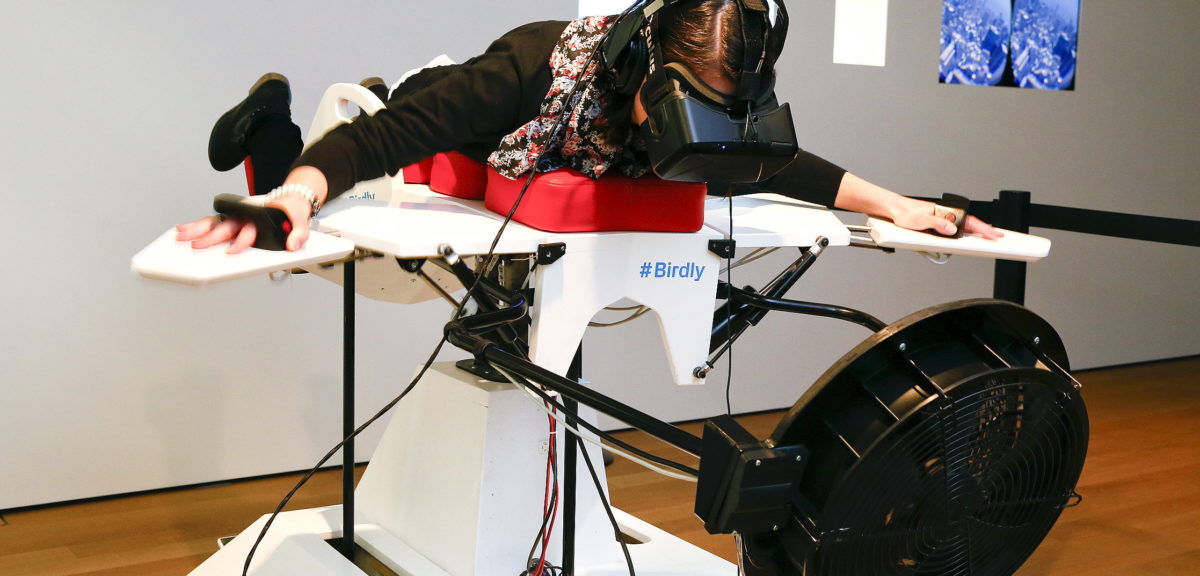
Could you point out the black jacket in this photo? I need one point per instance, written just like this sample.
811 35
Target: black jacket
469 107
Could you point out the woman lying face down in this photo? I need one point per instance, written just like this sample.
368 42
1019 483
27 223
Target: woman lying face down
499 106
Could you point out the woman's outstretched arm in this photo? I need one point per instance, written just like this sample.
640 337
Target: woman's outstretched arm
858 195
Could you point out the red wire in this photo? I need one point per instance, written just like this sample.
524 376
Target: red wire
554 456
551 488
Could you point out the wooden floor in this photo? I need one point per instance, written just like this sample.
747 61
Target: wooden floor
1140 514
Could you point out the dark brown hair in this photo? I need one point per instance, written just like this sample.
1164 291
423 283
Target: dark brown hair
703 35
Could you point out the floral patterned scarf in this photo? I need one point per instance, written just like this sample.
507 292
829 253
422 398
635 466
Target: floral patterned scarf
586 140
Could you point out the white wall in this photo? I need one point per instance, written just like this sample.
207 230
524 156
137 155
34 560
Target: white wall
112 384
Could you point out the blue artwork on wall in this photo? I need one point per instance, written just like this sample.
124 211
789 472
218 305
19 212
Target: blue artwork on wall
1026 43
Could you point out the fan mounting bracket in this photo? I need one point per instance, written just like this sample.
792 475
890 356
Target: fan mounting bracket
745 484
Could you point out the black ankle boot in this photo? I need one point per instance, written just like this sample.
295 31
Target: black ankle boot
377 87
269 97
271 149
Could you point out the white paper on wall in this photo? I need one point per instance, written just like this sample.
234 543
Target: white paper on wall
602 7
860 32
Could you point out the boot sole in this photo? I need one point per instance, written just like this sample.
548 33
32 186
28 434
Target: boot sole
269 76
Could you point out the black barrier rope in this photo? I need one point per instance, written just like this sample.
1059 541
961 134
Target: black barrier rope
1013 210
1086 221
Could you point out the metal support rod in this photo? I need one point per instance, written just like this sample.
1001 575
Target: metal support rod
732 318
348 410
462 334
429 281
1012 213
482 287
493 354
810 308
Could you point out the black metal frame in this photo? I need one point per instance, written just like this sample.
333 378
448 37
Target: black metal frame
744 307
743 482
348 410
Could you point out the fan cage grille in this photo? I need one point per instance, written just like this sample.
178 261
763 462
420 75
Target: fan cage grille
970 484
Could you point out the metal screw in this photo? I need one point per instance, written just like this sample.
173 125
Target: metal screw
1037 340
757 463
799 458
775 528
903 346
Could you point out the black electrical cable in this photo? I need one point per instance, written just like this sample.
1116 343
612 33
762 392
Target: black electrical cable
729 309
551 511
607 509
547 570
271 520
387 408
460 310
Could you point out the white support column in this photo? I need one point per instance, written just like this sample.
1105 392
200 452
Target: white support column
674 274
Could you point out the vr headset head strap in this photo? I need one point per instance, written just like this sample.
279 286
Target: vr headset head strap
762 43
625 52
631 46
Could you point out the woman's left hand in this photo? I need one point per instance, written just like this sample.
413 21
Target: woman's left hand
858 195
978 227
919 216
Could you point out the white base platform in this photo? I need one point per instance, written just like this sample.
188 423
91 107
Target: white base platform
297 545
455 488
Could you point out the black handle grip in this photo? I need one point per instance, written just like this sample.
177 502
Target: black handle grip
954 208
272 224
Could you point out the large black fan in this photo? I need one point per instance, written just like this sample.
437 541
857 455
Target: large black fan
947 443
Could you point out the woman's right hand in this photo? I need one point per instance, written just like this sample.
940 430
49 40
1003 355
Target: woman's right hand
241 234
211 230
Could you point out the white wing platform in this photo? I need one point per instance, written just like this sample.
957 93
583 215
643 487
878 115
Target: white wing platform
767 220
418 229
173 261
1013 246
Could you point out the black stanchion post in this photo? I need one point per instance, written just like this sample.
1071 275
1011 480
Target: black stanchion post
1011 213
570 478
348 410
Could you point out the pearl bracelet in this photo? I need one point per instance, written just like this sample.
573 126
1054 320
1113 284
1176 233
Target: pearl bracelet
298 189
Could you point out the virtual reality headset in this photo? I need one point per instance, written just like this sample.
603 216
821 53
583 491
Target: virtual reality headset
693 132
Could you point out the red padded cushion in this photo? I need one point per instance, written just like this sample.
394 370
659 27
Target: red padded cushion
566 201
418 173
459 176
